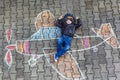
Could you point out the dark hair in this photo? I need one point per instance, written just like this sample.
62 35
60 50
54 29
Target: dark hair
69 15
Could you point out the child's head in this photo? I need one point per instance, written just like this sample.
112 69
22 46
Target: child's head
69 19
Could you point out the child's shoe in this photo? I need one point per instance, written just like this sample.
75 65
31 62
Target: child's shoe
55 58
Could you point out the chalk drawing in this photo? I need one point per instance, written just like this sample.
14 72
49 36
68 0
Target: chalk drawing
47 31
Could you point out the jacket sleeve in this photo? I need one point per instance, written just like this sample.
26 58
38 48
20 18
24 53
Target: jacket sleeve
59 23
78 23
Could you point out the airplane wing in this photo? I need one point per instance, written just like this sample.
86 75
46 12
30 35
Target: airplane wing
46 33
66 66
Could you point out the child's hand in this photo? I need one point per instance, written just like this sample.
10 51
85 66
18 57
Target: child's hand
61 17
77 17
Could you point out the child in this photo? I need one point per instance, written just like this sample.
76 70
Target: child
68 24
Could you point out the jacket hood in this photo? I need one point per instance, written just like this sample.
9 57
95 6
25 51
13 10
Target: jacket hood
69 15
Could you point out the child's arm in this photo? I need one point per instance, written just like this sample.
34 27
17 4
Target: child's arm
59 21
78 22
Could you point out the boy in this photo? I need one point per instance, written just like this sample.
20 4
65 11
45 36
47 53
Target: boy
68 24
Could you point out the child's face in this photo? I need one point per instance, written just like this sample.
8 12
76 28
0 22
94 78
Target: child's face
68 21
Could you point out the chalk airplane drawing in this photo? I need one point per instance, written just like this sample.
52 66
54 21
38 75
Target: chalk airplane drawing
44 41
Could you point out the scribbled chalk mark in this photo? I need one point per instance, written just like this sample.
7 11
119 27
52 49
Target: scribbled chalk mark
34 60
44 19
23 47
85 42
8 58
106 31
27 47
8 35
95 49
11 47
113 42
46 33
20 47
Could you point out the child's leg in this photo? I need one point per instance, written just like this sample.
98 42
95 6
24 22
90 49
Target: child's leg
59 46
67 46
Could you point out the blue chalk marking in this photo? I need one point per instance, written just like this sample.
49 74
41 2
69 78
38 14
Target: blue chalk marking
46 33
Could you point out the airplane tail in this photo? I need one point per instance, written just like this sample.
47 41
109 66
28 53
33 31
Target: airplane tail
106 33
